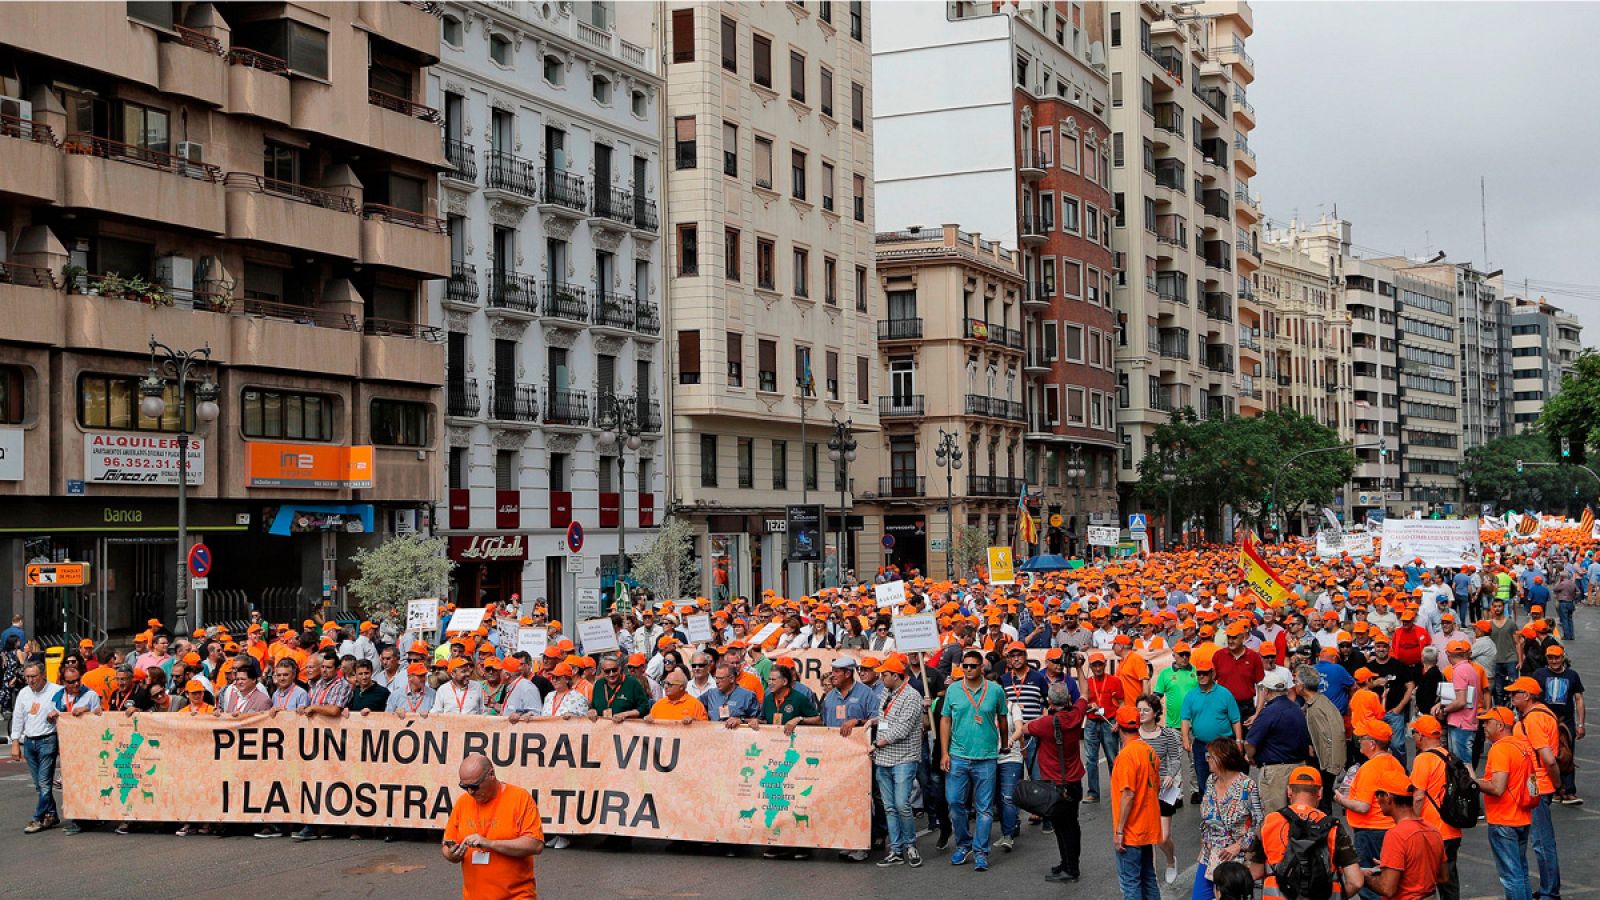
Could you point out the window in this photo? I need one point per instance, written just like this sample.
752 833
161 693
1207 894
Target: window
683 35
1116 29
306 49
1022 71
398 423
112 401
688 250
858 107
730 44
855 19
280 162
767 365
1047 212
1116 151
1091 224
747 463
763 162
639 104
730 254
832 360
1047 276
766 264
797 174
825 11
780 465
802 272
1075 413
286 414
505 470
1052 404
500 50
827 186
812 457
1047 146
826 90
830 281
863 379
159 15
761 49
861 289
805 379
1072 342
797 76
689 357
11 394
708 460
735 359
145 127
858 183
730 149
1069 214
601 89
1048 344
450 31
684 152
555 70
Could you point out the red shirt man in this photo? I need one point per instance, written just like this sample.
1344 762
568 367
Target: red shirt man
1408 640
1239 669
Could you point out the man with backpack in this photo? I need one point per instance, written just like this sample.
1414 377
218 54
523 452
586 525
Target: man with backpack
1509 795
1450 800
1302 853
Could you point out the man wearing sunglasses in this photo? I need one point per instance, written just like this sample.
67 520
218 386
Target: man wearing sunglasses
700 680
618 696
494 833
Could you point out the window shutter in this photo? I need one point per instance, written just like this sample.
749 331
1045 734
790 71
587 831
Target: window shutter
689 355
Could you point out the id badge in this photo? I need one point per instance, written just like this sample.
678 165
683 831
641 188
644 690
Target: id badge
608 712
480 857
722 711
838 711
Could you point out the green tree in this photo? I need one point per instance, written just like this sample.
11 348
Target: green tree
1490 475
667 568
1574 412
971 550
398 571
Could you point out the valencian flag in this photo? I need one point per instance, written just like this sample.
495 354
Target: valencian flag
1586 521
1264 582
1528 525
1027 528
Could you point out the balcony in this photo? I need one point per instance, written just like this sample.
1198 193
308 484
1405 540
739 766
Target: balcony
463 162
510 179
395 125
285 214
1163 401
1244 159
513 296
413 24
613 312
902 485
1284 380
648 414
513 405
1218 306
1032 164
1033 231
30 301
1170 174
647 318
1173 343
1216 99
192 66
1249 341
305 340
405 240
1243 113
646 223
564 303
461 399
993 486
900 406
614 204
564 194
566 409
1035 298
899 329
461 290
405 352
1244 68
30 163
1035 363
1219 358
258 86
133 181
1169 121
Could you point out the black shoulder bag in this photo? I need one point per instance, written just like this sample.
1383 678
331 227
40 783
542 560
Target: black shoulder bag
1041 798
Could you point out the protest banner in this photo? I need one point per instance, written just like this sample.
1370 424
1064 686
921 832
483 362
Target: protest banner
916 633
698 782
1262 580
698 628
597 636
767 630
1002 567
812 667
1104 535
465 620
1451 543
532 641
1336 544
422 614
890 593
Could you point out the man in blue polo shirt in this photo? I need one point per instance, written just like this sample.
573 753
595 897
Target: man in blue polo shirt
1279 740
1209 712
848 705
727 702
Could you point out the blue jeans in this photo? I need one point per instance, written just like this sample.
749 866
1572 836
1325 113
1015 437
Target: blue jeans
1460 741
931 779
1202 766
41 756
978 777
1564 611
1203 888
1397 740
1510 846
1369 846
894 785
1098 735
1542 834
1136 873
1010 822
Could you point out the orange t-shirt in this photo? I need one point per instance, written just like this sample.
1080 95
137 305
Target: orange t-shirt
1428 774
513 814
199 709
1512 756
1538 727
1137 770
1364 789
1133 672
1153 643
1414 849
687 708
1364 706
1275 840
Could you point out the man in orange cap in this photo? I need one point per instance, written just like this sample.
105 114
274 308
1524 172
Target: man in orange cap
1460 714
1240 669
1304 802
1135 810
1412 862
1365 817
1429 773
1541 731
1562 692
1507 801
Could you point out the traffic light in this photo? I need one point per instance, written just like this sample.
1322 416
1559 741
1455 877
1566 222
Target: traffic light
1566 448
1519 467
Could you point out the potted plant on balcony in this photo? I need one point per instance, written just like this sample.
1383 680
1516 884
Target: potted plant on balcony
148 293
74 277
566 296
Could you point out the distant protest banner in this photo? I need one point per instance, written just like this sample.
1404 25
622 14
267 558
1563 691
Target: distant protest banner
1451 543
814 666
698 782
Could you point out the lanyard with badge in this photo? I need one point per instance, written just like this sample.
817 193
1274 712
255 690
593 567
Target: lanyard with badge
977 703
480 856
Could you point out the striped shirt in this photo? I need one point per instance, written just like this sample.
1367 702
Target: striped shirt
1169 749
1027 692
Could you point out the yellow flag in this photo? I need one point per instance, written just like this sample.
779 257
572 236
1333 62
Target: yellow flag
1001 566
1267 585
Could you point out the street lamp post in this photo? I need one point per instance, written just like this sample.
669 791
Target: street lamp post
842 450
179 365
1076 474
1169 477
948 457
620 428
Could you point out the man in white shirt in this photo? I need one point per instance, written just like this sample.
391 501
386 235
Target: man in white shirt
458 695
701 680
33 737
389 676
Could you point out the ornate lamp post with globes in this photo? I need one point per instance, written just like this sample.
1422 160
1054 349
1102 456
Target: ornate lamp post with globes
619 427
948 457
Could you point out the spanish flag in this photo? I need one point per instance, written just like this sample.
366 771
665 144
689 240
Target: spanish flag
1264 582
1027 528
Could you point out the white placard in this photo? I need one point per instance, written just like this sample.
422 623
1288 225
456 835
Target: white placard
588 602
422 614
890 593
698 628
140 459
766 631
916 634
199 582
465 620
575 564
1104 535
597 636
1451 543
11 442
532 641
1333 544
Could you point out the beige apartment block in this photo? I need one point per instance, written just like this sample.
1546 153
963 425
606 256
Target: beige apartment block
1185 236
942 377
1307 333
1545 342
252 179
770 283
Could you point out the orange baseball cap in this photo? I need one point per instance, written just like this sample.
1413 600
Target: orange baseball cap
1016 647
563 670
1127 718
892 665
1364 674
455 664
1555 650
1427 726
417 669
1305 776
636 659
1524 685
1377 729
492 662
1499 714
194 684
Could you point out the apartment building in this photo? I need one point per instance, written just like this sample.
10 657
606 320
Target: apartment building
1483 334
946 385
552 311
774 270
255 180
1036 71
1305 333
1545 342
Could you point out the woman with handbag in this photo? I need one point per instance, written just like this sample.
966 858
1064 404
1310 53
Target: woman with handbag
1059 736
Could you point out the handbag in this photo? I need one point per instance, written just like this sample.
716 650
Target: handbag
1043 798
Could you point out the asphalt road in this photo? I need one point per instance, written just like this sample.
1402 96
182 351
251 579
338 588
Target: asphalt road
103 864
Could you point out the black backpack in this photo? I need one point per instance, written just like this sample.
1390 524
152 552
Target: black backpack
1306 870
1462 802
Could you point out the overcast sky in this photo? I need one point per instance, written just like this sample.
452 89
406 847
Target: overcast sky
1392 111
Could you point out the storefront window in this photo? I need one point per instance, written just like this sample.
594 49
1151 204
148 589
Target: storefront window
726 551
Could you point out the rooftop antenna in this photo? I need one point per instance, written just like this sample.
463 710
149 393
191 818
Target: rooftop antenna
1483 216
